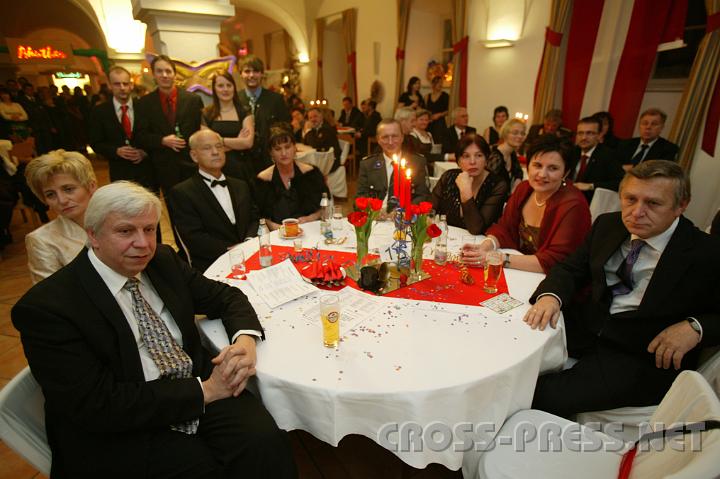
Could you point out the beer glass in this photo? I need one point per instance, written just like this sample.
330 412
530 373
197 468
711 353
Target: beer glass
493 270
330 316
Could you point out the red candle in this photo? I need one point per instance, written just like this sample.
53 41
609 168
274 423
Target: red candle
396 178
401 184
408 192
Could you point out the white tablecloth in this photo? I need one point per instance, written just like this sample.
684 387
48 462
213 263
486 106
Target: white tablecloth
413 361
322 160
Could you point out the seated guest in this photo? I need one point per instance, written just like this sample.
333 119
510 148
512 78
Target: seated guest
457 130
298 123
350 116
212 212
321 136
545 218
8 192
607 129
406 118
13 118
437 103
649 145
503 158
65 181
472 197
425 140
375 175
412 97
128 388
289 188
492 133
372 119
551 125
594 165
652 279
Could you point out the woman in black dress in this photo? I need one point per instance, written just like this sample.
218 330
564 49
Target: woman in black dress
472 197
288 188
226 117
412 97
438 103
492 133
503 159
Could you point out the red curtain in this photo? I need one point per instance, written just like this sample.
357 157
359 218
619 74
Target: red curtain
578 58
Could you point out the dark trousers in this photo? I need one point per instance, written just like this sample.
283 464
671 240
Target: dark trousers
237 438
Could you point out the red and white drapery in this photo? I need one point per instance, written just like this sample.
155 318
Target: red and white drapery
458 92
349 20
403 9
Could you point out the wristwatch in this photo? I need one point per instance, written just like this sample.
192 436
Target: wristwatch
695 325
506 263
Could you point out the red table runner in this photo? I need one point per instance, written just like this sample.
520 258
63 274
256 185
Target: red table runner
444 286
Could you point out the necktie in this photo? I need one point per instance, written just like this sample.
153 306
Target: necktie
172 361
253 102
624 271
214 183
462 133
583 167
125 121
170 112
640 154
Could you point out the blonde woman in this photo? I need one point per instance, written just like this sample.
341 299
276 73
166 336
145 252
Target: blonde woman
65 181
503 158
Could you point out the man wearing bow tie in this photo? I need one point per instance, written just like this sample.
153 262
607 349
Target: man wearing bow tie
211 212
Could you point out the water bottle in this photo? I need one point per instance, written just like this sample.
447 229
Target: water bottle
325 226
177 131
441 242
265 245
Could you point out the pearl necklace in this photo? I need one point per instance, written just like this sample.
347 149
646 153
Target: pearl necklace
537 203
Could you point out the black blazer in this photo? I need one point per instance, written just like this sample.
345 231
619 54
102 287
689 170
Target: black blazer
684 284
451 139
603 169
322 139
662 149
107 135
151 126
270 109
203 226
373 180
100 411
354 120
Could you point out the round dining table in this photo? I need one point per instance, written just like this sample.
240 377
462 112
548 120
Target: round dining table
428 380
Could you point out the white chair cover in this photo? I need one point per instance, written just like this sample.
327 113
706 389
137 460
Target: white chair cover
344 150
22 420
432 181
322 160
337 183
604 201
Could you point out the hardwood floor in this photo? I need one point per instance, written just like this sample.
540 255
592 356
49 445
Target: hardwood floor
356 457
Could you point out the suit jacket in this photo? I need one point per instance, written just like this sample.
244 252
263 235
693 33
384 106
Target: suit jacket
107 135
354 120
537 131
151 126
100 412
269 109
203 225
322 139
685 283
373 180
603 169
662 149
451 138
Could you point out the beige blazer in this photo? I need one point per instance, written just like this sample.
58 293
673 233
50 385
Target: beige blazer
52 246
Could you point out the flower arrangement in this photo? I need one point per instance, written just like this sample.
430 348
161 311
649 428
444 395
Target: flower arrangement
420 231
366 211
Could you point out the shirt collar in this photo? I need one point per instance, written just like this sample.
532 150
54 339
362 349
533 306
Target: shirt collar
209 177
590 152
255 94
173 94
649 144
117 105
112 279
660 242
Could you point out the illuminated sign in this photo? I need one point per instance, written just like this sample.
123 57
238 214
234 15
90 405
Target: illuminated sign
61 75
24 50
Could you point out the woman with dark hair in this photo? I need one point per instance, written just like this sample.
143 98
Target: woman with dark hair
288 188
228 118
412 97
492 133
545 219
471 196
438 104
607 135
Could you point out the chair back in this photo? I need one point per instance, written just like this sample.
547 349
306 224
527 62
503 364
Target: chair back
24 151
22 420
710 369
689 400
604 201
344 150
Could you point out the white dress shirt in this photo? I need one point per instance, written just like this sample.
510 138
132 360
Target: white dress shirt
639 148
118 111
389 171
221 193
589 155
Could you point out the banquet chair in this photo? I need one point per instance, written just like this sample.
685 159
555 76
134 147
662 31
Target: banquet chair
22 420
689 400
432 181
604 201
348 157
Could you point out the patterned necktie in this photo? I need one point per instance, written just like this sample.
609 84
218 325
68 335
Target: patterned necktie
640 154
624 271
125 121
172 361
583 167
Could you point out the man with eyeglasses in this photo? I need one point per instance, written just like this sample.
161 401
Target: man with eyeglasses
594 164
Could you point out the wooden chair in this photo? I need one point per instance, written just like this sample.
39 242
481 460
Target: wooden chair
372 140
24 151
352 159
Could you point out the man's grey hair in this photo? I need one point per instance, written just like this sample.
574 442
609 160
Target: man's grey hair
193 140
650 169
457 110
404 113
122 197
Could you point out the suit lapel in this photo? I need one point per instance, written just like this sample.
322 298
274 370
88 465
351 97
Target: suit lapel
211 200
608 245
235 200
181 105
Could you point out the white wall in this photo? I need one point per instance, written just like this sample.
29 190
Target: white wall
334 65
424 43
704 179
255 26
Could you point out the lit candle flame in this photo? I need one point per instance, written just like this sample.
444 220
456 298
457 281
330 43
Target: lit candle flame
402 162
394 158
408 173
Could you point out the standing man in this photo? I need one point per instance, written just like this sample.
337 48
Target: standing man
594 164
652 284
267 106
111 133
457 130
350 116
649 145
376 177
212 212
165 120
129 390
321 136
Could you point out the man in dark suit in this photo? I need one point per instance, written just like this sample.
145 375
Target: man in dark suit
267 106
212 212
321 136
457 130
652 284
111 133
129 390
551 125
370 122
350 116
593 165
649 145
376 177
165 119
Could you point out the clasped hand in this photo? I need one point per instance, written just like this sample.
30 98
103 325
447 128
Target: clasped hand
233 367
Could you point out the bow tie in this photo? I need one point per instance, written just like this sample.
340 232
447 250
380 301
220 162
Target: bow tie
214 183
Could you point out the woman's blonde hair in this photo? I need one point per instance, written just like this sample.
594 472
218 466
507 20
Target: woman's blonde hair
507 126
41 169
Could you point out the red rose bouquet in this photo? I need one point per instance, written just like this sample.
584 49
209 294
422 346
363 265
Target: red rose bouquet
366 211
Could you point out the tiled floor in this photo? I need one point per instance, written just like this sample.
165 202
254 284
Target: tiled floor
356 457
